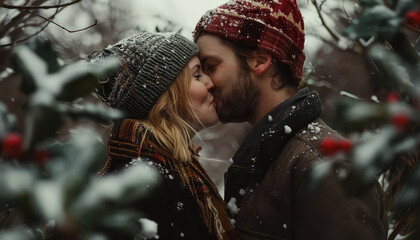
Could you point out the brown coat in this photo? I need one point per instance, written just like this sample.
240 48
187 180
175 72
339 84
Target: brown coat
269 193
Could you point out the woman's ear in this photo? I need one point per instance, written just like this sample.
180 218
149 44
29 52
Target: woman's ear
260 64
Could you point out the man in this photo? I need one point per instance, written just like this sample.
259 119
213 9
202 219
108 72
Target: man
253 51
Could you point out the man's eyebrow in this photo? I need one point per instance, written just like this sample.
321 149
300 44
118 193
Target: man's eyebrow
207 57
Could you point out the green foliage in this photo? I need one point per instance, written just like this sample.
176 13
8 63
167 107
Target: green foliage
357 114
65 188
384 134
7 121
47 91
380 20
377 20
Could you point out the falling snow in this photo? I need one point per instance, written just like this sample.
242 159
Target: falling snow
287 129
232 206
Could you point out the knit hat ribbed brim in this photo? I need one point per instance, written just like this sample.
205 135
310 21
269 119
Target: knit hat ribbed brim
149 64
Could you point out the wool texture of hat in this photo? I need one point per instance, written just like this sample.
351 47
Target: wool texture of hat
149 62
272 25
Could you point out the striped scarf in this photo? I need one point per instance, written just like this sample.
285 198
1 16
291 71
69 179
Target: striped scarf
127 142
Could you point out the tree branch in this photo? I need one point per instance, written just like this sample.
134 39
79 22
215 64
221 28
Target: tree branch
318 9
70 31
36 33
26 38
38 7
15 21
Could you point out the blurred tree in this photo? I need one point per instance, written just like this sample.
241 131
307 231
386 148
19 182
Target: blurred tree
368 72
50 189
368 64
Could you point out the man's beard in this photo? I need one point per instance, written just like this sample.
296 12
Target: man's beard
238 104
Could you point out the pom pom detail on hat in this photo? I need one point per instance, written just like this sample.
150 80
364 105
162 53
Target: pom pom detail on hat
149 62
272 25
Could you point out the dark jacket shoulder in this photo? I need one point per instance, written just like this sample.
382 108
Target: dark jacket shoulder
272 205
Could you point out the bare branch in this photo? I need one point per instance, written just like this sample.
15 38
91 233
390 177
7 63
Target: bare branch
15 21
70 31
318 9
26 38
38 7
36 33
21 17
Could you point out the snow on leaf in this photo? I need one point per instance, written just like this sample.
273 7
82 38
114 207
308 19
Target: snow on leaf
347 94
149 228
16 235
14 181
49 199
130 184
374 98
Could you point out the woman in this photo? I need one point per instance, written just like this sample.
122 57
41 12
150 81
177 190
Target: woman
166 98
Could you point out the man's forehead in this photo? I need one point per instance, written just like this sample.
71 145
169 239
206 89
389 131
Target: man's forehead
213 47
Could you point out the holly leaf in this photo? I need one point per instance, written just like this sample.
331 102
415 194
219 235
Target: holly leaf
357 115
405 5
42 123
17 235
80 79
396 71
115 224
410 195
370 3
72 82
32 68
44 49
95 112
7 121
378 20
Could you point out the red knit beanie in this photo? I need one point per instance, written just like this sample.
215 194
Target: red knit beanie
272 25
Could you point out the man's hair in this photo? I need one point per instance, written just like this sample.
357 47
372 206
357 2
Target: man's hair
283 76
173 120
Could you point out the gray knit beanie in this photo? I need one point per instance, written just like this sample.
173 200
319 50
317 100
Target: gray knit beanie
149 64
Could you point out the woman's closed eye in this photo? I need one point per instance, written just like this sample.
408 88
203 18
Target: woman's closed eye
197 76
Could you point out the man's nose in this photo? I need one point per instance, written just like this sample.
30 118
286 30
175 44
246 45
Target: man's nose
209 83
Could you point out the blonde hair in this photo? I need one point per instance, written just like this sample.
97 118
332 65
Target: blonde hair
173 120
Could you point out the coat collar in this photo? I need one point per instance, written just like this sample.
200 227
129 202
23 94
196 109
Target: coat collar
268 138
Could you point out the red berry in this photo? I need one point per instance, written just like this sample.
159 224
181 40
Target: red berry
401 121
13 146
413 18
329 147
392 98
345 146
42 156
